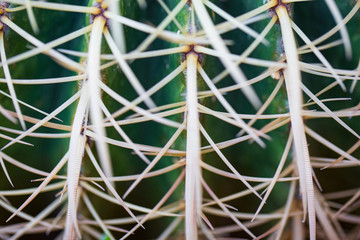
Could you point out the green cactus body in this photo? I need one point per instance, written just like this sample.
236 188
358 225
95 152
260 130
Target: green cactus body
45 97
229 120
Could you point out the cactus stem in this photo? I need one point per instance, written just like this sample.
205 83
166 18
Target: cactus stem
127 70
158 205
247 178
48 178
330 145
176 22
101 194
225 209
275 179
44 120
343 30
335 29
348 203
158 172
265 105
219 45
261 77
167 35
247 18
227 162
68 63
29 106
326 109
286 172
249 50
341 158
47 48
197 208
160 28
236 23
171 228
37 219
108 183
287 210
10 138
96 216
122 133
151 91
318 54
139 110
230 109
239 59
155 160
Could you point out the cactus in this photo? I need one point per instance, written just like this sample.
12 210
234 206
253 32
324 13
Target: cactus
187 119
